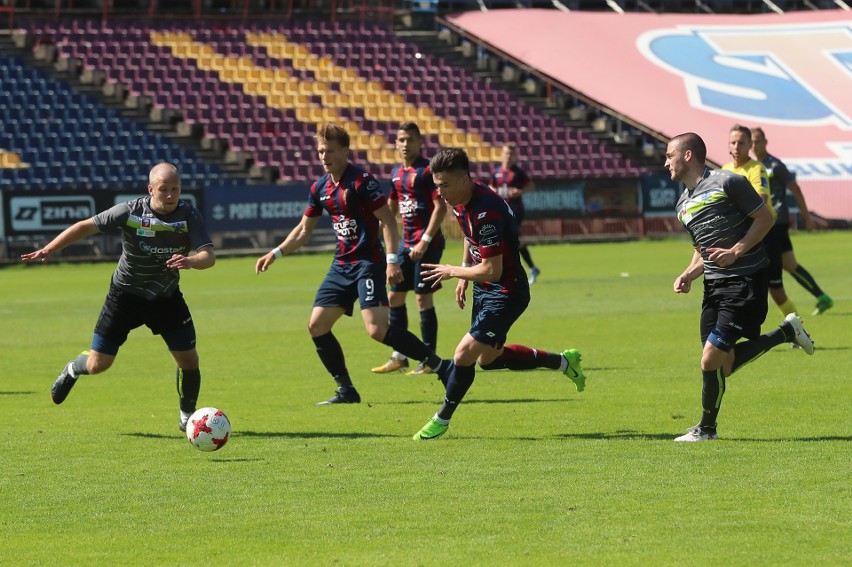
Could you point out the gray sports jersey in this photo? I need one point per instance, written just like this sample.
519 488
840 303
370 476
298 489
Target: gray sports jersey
149 240
716 215
779 177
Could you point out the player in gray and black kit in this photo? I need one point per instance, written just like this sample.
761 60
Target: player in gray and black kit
159 231
778 241
727 220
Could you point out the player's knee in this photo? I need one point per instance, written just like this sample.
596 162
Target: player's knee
377 332
424 301
98 364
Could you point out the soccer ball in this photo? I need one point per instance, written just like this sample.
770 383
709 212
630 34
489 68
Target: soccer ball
208 429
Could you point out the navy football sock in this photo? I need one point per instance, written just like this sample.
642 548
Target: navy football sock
331 355
408 344
429 328
458 383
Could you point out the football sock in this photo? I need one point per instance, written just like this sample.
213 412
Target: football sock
458 383
399 316
711 397
443 370
520 357
331 355
747 351
188 387
806 281
78 365
525 254
408 344
787 307
441 421
429 328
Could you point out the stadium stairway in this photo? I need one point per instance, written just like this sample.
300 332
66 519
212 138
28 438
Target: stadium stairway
582 117
262 92
68 72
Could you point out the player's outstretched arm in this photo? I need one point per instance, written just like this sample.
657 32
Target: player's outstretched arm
67 237
297 238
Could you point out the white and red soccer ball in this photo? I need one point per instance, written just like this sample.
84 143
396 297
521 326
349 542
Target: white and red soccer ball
208 429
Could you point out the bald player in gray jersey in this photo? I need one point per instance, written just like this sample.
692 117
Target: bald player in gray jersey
727 221
158 234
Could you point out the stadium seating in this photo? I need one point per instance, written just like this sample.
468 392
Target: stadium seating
265 87
57 138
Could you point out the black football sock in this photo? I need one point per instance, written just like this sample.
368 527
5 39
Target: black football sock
458 383
399 316
807 281
428 328
188 387
408 344
711 397
753 349
331 355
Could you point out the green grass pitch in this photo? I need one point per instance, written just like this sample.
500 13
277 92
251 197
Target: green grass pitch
530 473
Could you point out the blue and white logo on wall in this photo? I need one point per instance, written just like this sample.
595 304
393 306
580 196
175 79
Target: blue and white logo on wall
768 74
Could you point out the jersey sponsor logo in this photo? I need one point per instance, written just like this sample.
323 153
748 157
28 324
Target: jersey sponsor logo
49 213
487 229
159 250
787 74
145 228
346 229
407 207
481 215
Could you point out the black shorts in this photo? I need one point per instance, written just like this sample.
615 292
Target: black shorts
412 280
735 305
122 312
776 242
343 284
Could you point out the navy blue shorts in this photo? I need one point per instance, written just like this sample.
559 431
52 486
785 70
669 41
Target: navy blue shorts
122 312
736 305
343 284
494 314
411 270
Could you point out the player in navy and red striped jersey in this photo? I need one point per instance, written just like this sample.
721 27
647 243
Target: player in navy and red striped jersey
360 268
501 291
416 199
511 182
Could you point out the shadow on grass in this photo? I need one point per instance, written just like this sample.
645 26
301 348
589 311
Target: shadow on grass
832 347
639 436
17 393
472 402
276 435
313 435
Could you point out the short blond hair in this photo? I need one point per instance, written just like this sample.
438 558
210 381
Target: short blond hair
332 131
